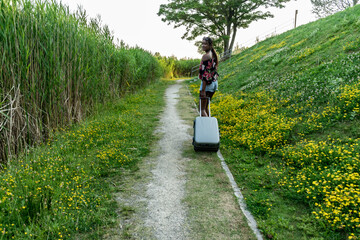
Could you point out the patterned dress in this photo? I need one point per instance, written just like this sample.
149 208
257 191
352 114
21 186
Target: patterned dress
207 71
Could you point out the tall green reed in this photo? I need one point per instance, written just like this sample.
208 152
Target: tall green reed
55 67
174 68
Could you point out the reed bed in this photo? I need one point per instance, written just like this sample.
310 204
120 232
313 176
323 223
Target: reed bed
175 68
55 67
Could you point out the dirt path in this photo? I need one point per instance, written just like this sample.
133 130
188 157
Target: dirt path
166 213
177 193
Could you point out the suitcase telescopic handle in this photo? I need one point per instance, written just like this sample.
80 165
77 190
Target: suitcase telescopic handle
208 106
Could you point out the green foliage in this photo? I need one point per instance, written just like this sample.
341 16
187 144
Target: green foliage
183 67
56 66
220 19
174 68
323 8
288 110
63 189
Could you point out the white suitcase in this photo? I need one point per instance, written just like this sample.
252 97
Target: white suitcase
206 133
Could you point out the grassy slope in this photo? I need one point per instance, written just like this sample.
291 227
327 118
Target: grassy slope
62 190
213 212
285 106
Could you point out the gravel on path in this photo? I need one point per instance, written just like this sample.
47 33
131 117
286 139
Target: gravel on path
166 213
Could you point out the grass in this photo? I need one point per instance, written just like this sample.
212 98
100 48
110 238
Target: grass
63 189
213 211
288 112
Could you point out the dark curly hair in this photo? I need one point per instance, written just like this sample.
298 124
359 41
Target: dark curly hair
210 42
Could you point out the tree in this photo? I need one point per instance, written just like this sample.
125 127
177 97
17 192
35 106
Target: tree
220 19
323 8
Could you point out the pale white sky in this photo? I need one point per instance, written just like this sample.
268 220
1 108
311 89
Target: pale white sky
136 23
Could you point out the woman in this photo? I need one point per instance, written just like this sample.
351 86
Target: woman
208 75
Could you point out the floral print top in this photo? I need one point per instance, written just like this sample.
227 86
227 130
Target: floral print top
207 71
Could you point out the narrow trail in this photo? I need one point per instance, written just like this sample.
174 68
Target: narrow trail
177 193
166 213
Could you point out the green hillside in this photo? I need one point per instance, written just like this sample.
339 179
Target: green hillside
288 110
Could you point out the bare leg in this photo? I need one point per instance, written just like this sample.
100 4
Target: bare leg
209 95
204 103
207 107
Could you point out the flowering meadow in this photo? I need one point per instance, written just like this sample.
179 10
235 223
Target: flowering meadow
288 111
62 189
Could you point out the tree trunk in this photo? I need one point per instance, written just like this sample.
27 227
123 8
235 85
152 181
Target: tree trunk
233 38
227 37
226 44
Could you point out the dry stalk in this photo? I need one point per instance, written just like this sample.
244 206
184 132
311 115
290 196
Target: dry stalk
15 125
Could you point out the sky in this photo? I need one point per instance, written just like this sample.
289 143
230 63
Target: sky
136 23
